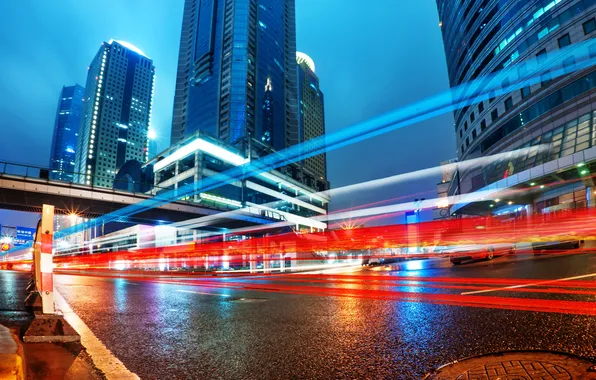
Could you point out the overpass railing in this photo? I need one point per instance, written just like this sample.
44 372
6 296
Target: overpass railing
44 173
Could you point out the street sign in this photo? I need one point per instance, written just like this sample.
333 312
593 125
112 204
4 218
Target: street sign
24 235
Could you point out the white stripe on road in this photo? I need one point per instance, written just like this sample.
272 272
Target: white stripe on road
526 285
204 293
102 358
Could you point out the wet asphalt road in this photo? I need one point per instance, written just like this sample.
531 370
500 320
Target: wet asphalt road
161 330
12 295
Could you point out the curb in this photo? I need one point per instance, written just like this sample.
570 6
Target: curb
12 356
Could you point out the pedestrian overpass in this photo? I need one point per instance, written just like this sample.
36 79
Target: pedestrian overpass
24 188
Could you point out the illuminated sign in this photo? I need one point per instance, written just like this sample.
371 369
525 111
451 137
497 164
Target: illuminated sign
24 236
5 247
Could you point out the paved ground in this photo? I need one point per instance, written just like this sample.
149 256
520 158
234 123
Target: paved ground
320 327
12 295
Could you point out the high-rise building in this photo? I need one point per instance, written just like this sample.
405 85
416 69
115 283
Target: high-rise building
520 39
66 128
311 116
237 72
117 114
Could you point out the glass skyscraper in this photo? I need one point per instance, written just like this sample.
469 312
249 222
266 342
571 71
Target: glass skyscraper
66 128
311 118
117 113
484 37
237 72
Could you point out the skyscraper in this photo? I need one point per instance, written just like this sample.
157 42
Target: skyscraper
66 128
517 40
237 72
117 114
311 116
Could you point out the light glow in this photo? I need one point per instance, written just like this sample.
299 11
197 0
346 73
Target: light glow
129 46
301 57
205 146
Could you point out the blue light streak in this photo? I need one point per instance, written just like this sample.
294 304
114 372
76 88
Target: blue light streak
431 107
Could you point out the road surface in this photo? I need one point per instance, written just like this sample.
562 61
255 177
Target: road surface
368 322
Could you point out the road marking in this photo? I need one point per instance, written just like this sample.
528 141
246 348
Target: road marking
102 358
203 293
526 285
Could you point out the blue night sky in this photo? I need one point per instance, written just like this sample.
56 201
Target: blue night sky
371 57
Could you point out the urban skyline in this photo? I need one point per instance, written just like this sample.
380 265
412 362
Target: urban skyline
380 189
369 89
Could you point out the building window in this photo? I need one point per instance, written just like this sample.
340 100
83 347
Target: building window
541 56
467 141
474 134
482 125
525 92
494 115
480 107
592 50
508 104
505 83
589 26
545 79
461 135
564 41
567 63
465 125
472 117
462 148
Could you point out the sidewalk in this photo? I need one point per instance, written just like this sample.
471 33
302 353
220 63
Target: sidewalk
12 362
20 360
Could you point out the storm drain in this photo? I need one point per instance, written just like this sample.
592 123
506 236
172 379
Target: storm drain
519 365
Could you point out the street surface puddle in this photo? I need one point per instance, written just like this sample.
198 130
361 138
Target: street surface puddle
245 300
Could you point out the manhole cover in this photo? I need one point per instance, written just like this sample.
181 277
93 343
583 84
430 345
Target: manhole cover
517 366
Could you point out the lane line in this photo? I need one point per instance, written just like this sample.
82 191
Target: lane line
102 358
526 285
203 293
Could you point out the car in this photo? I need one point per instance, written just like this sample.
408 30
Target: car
460 254
541 248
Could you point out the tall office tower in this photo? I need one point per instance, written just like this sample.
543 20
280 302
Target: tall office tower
516 40
66 128
311 116
237 72
117 114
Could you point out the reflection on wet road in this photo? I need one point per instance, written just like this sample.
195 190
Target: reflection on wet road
398 322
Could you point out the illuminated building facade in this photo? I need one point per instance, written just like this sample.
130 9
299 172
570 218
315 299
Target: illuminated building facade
275 195
66 128
117 113
311 116
505 38
237 72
